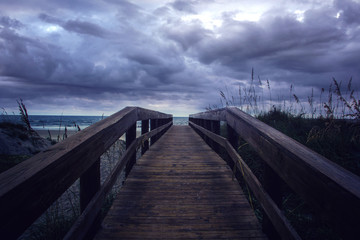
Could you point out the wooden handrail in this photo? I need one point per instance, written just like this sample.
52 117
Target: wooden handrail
30 187
282 224
331 189
84 222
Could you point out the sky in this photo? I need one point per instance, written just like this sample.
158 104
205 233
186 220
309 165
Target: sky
79 57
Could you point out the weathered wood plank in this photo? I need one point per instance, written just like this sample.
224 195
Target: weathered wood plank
43 178
89 185
85 221
332 190
280 222
206 205
145 114
37 179
218 115
144 129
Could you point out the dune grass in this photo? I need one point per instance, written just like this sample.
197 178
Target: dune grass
328 124
60 216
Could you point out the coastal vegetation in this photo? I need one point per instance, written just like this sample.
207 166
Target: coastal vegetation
19 141
329 126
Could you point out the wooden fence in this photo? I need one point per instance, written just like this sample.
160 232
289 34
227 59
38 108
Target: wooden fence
30 187
333 191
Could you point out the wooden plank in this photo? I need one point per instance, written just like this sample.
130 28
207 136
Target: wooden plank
145 114
130 138
43 178
154 123
273 185
30 187
218 115
144 129
84 223
89 185
180 204
332 190
278 219
217 138
89 215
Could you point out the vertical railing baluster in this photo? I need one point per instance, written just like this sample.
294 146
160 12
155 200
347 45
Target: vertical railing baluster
232 137
215 128
144 129
89 185
207 126
130 137
153 125
273 186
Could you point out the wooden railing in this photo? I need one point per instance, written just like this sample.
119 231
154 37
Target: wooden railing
29 188
333 191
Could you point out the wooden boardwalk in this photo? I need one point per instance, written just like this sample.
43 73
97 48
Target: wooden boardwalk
180 189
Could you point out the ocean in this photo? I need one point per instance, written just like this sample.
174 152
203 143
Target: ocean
48 122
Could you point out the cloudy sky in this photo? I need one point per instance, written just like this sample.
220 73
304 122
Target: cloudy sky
93 57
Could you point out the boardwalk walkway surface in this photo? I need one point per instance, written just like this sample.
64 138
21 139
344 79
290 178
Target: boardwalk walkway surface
180 189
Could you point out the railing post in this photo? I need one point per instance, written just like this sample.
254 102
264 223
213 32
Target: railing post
170 120
215 128
207 126
232 137
202 124
162 122
144 129
153 125
130 137
89 185
273 186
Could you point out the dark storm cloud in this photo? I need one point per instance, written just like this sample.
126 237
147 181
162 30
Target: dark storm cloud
35 5
48 69
8 22
318 44
24 57
121 51
184 6
50 19
349 11
126 9
144 58
85 28
77 26
186 35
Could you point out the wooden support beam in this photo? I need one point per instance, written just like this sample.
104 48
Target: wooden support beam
84 223
232 136
130 137
332 190
273 186
89 186
215 128
207 126
153 124
277 217
29 188
144 129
